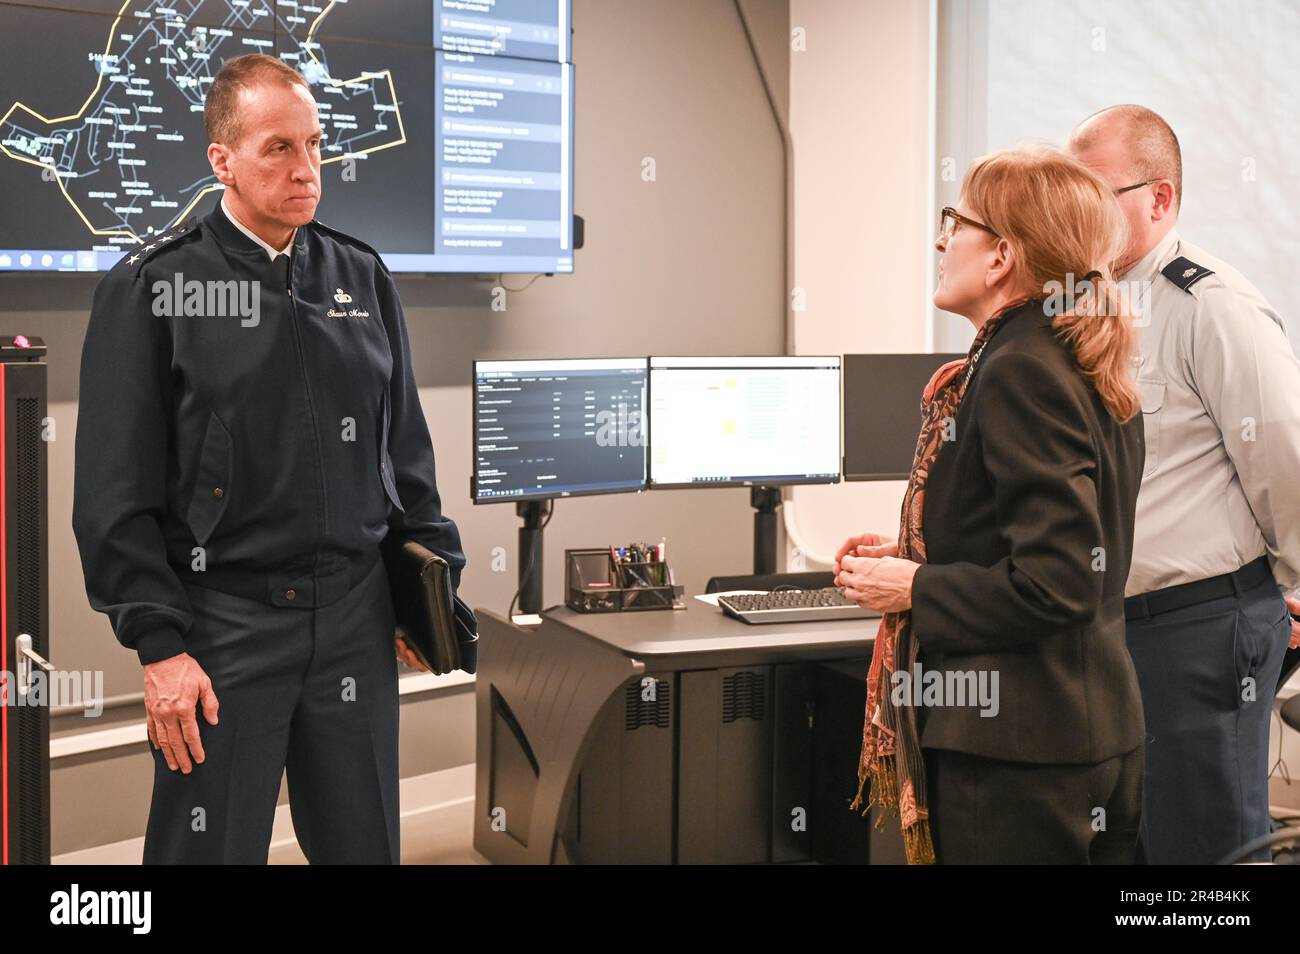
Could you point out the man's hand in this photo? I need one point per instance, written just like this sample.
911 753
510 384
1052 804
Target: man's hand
1294 607
172 690
407 655
866 545
884 584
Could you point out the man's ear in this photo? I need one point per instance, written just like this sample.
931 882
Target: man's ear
219 159
1001 265
1162 201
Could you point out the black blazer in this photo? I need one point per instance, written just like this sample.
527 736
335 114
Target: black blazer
1024 507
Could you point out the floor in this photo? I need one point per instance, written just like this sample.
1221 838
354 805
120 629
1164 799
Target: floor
437 828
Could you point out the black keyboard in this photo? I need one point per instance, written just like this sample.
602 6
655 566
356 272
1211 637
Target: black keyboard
793 606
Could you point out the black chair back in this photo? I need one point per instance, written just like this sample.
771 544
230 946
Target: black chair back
771 581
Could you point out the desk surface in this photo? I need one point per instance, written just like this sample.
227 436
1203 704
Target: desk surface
701 628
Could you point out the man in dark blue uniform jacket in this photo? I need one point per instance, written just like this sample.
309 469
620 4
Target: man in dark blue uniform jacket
249 432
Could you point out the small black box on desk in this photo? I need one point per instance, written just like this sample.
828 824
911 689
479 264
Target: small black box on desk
595 583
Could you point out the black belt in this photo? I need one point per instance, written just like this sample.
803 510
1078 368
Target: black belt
1170 598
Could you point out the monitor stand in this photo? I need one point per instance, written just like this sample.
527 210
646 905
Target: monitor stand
530 554
765 501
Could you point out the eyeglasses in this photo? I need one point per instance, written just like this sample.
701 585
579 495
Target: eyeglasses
1136 185
949 219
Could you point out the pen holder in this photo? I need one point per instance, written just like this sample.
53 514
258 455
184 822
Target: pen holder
595 583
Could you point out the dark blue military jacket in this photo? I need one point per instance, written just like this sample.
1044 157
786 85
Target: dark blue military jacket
259 439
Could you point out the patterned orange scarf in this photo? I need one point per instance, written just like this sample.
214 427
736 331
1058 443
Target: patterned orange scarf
891 745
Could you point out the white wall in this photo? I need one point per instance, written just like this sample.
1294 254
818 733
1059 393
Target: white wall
861 229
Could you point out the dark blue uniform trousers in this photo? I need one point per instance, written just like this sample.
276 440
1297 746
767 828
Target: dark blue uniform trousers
309 689
1206 787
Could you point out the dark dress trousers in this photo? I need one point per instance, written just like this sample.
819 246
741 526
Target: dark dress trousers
1028 525
236 470
1208 673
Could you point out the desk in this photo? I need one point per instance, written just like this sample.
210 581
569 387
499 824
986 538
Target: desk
660 736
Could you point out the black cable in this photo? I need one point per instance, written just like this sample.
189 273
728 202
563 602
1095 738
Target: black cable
528 564
501 281
1280 837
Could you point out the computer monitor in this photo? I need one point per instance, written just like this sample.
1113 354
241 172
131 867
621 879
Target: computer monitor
558 428
882 411
744 421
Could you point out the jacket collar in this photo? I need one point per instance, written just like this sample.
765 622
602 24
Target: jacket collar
1020 316
1016 321
1146 268
230 237
271 253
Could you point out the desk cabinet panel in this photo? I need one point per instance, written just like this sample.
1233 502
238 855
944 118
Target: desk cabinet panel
725 766
622 812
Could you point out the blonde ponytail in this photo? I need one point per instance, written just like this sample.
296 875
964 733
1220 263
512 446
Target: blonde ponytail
1099 329
1062 220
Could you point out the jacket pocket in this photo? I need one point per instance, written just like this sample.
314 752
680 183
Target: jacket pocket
1246 659
1261 638
212 484
386 475
1153 400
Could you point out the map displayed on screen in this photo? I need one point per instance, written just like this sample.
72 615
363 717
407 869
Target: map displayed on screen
448 124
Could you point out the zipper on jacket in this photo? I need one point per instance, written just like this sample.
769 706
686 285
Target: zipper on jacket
311 408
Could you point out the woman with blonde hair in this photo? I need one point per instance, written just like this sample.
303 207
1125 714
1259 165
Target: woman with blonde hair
1001 653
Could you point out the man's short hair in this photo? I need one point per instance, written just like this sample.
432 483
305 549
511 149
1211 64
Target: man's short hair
221 108
1150 140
